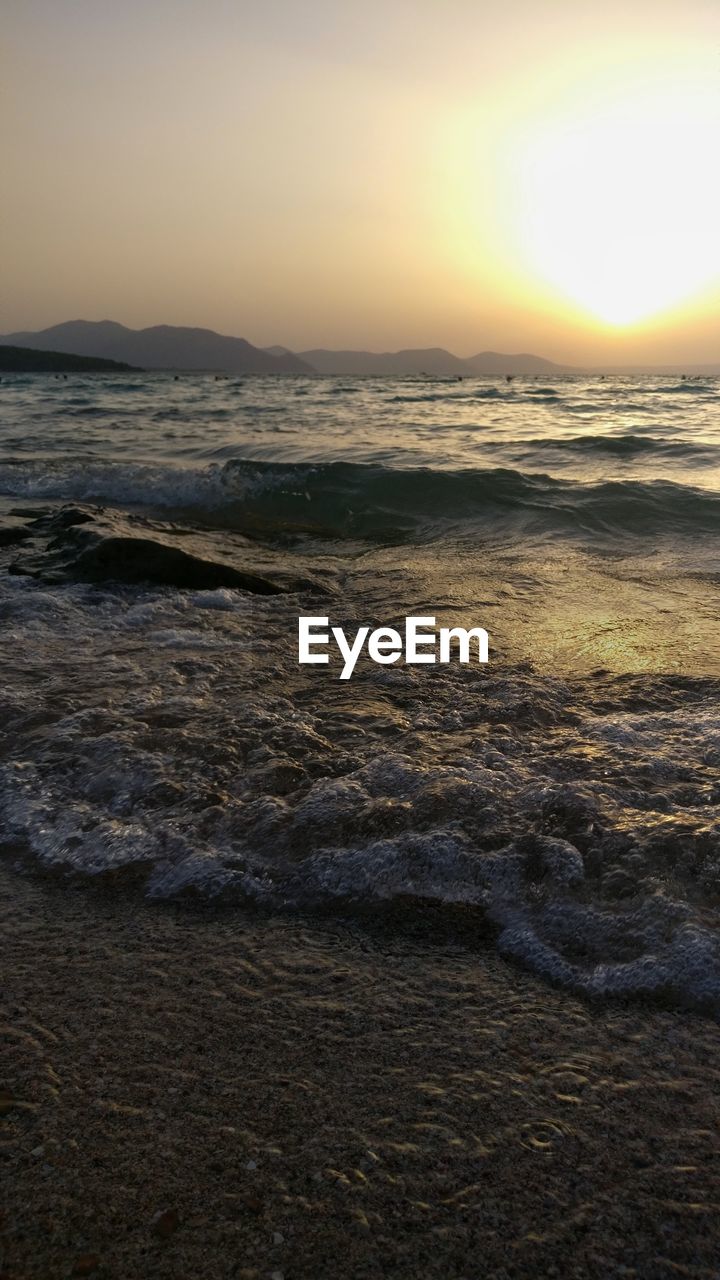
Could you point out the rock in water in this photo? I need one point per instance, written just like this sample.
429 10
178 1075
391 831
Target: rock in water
93 545
11 534
135 560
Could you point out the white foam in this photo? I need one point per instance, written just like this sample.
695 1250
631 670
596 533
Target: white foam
144 742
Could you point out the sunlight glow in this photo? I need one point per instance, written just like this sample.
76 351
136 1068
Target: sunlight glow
618 206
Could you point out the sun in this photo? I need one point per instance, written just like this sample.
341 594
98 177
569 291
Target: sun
617 206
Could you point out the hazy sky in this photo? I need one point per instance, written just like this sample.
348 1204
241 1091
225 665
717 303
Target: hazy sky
524 175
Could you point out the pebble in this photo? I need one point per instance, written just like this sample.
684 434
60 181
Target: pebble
251 1164
252 1202
86 1264
165 1222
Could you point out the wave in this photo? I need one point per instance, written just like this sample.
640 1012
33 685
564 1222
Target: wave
688 387
465 397
345 499
341 500
624 446
584 843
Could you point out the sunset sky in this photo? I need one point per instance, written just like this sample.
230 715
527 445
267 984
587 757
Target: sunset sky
533 175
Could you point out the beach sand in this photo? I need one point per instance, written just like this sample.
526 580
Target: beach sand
191 1094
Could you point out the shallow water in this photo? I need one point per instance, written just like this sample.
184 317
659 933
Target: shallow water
565 796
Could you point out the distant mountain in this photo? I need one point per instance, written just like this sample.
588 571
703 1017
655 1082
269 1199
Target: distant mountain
434 361
494 364
30 360
160 347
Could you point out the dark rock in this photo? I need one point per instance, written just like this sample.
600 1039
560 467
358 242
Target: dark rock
67 516
10 535
127 559
92 545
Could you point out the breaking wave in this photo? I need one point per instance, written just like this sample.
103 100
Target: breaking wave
572 823
342 500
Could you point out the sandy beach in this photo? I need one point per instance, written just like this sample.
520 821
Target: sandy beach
192 1094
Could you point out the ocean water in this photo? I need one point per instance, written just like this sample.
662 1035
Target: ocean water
560 803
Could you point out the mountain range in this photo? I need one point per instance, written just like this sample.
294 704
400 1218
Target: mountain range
180 348
187 349
160 347
431 360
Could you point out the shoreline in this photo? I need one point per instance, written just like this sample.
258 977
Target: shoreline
222 1095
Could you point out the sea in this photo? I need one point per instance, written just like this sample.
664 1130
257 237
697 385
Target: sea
558 804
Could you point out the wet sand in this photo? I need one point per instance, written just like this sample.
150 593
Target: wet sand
197 1095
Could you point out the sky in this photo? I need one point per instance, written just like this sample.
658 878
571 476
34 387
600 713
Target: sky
536 175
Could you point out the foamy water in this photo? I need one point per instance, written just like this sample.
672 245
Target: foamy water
564 799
